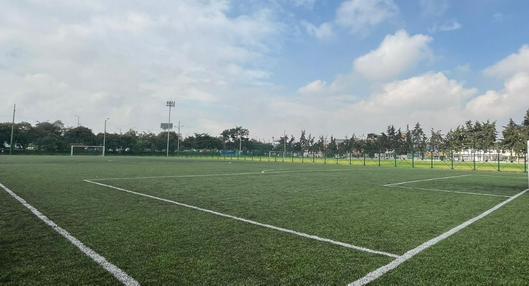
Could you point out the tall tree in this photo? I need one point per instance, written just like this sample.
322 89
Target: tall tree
419 139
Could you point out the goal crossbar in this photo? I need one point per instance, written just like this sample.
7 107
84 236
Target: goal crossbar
72 147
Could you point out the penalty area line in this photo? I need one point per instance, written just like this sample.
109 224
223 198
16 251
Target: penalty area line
119 274
255 173
285 230
370 277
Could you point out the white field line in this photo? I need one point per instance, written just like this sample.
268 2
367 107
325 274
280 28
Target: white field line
310 236
123 277
267 172
411 253
448 191
502 176
425 180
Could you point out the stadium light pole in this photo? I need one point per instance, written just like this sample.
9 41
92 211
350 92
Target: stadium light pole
169 104
12 130
77 117
105 137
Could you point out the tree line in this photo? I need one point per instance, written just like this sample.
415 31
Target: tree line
54 137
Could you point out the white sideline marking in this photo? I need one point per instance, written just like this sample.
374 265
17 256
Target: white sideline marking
123 277
411 253
425 180
310 236
227 174
448 191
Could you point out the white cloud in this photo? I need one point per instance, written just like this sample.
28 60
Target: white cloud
511 65
315 87
509 102
361 15
434 8
431 99
498 17
122 59
447 26
396 54
309 4
321 32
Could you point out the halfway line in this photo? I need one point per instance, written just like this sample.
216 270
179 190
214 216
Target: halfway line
425 180
310 236
123 277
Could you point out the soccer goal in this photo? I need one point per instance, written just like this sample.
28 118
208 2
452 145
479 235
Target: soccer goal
86 150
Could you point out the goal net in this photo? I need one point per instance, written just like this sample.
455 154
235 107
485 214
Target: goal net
86 150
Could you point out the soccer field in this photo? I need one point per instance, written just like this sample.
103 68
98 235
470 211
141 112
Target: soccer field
147 220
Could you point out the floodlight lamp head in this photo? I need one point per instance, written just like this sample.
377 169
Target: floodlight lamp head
170 103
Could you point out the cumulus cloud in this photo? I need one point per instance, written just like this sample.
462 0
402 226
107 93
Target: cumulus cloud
511 65
508 102
396 54
121 59
432 99
512 99
358 16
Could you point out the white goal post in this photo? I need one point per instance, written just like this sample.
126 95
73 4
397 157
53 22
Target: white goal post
88 148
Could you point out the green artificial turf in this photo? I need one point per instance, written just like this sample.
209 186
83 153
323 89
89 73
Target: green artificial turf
161 243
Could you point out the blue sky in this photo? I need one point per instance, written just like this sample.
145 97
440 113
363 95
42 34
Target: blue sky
329 67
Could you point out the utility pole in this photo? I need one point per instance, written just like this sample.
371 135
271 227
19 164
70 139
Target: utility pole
169 104
12 130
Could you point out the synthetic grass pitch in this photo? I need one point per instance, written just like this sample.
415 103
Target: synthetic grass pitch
188 222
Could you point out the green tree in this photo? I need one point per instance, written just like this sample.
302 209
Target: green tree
231 137
419 139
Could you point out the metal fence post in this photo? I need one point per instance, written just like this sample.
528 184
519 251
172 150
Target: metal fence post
499 170
474 159
364 158
412 158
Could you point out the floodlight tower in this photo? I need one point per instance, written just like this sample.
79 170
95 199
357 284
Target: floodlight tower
105 136
169 104
12 130
77 117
